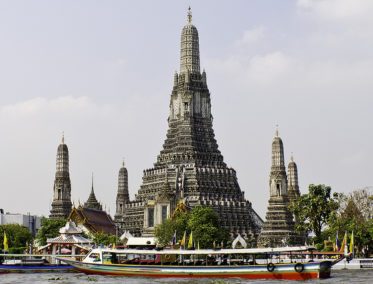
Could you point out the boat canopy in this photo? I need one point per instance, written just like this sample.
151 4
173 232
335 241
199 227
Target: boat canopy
208 251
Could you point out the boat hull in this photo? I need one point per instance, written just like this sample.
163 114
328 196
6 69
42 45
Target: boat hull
35 268
280 271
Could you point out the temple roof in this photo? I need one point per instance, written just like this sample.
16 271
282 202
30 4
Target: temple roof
71 234
92 200
69 239
94 220
70 228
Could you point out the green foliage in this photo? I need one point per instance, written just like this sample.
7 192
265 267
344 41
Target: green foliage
18 237
101 238
314 209
352 217
165 231
325 215
49 229
201 220
204 223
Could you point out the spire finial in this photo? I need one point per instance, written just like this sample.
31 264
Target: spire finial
92 181
292 158
123 164
63 137
189 15
276 130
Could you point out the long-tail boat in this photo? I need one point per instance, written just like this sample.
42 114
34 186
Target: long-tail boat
293 263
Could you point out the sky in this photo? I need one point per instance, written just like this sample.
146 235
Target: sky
102 73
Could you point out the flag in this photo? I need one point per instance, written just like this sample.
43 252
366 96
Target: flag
336 242
352 243
190 242
198 245
183 240
6 248
344 243
173 241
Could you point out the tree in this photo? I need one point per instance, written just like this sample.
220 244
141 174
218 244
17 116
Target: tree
354 215
204 223
201 220
101 238
49 229
313 210
178 223
18 237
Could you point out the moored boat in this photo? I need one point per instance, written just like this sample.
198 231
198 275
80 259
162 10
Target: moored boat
224 263
17 268
23 263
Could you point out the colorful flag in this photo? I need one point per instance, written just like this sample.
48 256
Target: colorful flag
173 241
183 240
344 243
352 243
6 248
190 242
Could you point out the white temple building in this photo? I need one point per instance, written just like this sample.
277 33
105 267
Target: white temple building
69 242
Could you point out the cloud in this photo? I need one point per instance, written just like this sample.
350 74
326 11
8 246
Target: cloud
98 136
251 36
40 106
338 10
316 86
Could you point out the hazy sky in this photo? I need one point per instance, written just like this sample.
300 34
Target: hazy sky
102 72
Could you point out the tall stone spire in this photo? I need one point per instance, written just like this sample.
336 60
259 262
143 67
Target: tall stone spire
278 178
278 229
293 186
61 205
189 49
122 194
190 168
92 202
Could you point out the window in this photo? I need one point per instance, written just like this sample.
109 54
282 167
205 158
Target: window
164 213
150 217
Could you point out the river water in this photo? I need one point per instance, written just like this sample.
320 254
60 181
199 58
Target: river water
338 276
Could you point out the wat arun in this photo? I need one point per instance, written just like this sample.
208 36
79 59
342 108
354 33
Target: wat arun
190 169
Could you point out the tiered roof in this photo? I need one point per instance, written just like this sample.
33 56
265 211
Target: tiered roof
94 220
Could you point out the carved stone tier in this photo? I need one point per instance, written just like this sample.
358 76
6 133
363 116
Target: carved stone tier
278 229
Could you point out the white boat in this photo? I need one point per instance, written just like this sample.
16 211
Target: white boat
224 263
